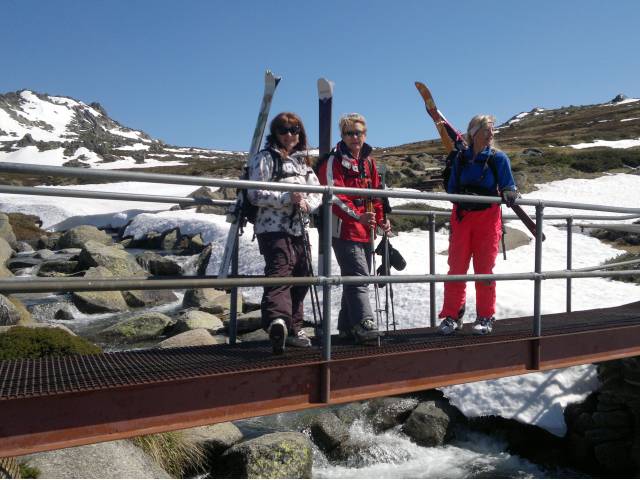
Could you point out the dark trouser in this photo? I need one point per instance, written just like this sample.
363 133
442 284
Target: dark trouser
284 256
354 259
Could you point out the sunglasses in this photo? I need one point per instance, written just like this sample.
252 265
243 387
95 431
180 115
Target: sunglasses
354 133
284 130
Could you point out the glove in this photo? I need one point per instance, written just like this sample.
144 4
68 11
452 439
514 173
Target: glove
510 196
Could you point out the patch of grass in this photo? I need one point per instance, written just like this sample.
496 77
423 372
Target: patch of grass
23 342
27 471
173 452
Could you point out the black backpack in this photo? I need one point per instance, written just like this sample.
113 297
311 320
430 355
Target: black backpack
249 210
471 190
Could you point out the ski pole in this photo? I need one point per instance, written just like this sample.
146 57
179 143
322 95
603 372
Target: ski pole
315 301
504 231
372 234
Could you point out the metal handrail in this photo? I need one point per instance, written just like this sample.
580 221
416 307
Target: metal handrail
327 280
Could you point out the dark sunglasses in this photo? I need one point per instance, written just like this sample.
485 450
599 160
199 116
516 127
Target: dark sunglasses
284 130
354 133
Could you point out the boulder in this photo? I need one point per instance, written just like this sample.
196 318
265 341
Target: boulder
146 326
203 260
13 312
209 299
215 439
17 263
118 459
275 455
428 424
158 265
194 319
6 231
46 312
350 412
247 322
78 237
387 412
328 431
514 238
56 268
99 302
44 253
116 260
169 239
255 336
148 298
5 254
192 338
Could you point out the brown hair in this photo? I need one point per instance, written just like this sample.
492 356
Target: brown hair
280 120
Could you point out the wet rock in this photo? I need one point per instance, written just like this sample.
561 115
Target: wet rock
387 412
145 326
615 457
48 241
275 455
194 319
5 254
45 312
203 261
158 265
53 268
116 260
44 253
328 431
428 424
79 236
99 302
192 338
148 298
17 263
22 246
350 412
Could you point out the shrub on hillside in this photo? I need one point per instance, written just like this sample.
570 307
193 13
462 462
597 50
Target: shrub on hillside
23 342
405 223
633 266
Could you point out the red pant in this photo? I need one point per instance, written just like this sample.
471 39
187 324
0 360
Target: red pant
477 234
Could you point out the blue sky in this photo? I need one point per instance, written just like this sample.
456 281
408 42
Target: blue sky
190 72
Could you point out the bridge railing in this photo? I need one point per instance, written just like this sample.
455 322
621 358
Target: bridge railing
326 280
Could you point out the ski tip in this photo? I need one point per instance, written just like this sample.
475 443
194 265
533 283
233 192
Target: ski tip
325 88
270 78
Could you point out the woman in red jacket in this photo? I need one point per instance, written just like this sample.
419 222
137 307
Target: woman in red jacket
350 165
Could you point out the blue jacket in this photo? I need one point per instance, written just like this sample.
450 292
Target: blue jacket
478 174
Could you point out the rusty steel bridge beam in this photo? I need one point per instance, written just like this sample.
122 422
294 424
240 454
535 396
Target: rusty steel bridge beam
38 423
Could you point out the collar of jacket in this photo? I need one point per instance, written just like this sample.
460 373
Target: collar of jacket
344 151
481 157
299 155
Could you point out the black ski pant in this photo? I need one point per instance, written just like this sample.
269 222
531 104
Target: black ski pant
284 256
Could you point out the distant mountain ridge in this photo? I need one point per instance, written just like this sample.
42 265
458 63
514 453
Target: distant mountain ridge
62 131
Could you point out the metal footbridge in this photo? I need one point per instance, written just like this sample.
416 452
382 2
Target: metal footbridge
52 403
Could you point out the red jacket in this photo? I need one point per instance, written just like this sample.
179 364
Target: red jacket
342 170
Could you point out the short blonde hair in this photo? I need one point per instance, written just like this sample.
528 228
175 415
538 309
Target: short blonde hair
477 123
349 119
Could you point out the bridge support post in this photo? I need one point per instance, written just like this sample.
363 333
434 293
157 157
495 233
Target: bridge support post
325 370
432 268
569 259
537 288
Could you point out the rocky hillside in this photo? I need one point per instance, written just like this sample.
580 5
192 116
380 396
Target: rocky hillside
53 130
544 145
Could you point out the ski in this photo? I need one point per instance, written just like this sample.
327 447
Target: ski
234 215
325 104
452 139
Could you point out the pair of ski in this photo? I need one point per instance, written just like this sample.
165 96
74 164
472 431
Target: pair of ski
452 139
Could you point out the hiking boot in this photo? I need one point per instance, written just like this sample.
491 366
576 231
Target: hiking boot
449 326
365 331
298 340
483 325
278 335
